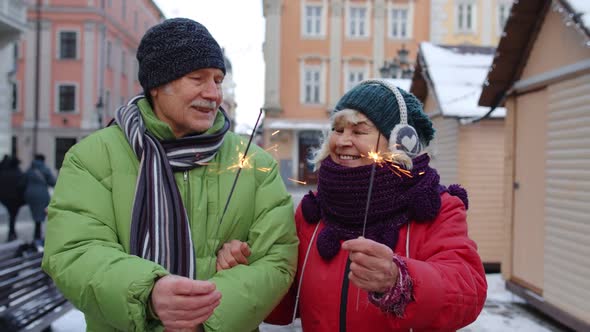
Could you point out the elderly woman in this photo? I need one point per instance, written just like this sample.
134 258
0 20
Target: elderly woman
407 250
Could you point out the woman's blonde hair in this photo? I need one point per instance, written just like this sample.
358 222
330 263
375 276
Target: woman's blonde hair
353 117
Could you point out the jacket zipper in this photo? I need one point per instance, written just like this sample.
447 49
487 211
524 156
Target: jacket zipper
344 297
187 195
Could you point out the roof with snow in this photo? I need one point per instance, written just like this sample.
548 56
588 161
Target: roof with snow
581 9
521 29
403 83
456 75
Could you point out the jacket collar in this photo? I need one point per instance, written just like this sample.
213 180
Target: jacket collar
161 129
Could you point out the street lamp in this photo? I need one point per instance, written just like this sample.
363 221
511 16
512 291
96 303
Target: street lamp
384 71
399 66
402 54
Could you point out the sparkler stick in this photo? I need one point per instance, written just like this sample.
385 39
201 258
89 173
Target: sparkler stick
241 164
371 180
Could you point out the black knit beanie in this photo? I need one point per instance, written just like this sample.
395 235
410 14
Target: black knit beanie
378 104
175 48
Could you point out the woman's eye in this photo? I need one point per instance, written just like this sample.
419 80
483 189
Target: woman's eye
359 132
338 130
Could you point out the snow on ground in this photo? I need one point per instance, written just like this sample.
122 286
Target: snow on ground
503 312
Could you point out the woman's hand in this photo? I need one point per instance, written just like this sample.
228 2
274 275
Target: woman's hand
231 254
372 267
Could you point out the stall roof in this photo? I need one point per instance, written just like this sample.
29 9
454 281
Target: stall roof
456 75
520 33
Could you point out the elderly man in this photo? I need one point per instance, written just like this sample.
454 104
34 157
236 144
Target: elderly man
134 223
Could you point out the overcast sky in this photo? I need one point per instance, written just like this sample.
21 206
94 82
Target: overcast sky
238 26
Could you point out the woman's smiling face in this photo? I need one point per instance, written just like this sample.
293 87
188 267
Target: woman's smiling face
353 137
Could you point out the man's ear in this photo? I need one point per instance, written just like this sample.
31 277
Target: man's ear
154 92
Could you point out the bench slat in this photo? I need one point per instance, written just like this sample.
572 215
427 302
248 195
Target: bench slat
29 300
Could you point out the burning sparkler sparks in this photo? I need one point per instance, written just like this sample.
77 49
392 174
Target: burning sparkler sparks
241 164
297 181
274 133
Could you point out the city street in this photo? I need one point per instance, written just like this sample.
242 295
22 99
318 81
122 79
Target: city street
503 310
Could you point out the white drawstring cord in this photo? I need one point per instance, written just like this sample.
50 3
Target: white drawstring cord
303 271
408 251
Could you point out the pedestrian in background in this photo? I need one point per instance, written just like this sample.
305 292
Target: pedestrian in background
37 181
11 191
414 263
135 217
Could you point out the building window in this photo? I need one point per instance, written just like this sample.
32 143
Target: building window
311 85
400 26
16 52
14 96
355 75
466 16
312 21
14 146
109 55
503 13
62 145
66 98
357 22
68 44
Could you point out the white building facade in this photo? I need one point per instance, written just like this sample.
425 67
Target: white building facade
13 22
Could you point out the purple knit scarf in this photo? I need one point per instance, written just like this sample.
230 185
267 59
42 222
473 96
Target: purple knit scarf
396 199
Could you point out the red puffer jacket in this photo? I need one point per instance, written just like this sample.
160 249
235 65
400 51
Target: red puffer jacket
449 281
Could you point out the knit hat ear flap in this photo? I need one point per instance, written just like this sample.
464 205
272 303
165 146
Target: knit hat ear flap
404 137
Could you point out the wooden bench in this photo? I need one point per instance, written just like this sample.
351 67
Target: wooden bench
29 301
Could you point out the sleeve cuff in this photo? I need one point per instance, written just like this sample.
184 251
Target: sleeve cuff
396 299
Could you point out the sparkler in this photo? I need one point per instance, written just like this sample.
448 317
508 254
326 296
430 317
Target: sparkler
376 158
297 181
241 164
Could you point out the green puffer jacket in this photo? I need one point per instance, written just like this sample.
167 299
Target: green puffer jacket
87 235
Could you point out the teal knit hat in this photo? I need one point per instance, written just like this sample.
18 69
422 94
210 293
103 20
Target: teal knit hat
378 103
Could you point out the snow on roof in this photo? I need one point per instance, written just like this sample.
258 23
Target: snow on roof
296 124
458 74
582 8
403 83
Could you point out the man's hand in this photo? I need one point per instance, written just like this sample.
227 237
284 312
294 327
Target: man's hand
372 267
182 303
231 254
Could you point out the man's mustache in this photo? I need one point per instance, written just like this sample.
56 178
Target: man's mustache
210 104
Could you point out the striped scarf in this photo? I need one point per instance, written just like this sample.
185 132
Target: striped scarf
160 229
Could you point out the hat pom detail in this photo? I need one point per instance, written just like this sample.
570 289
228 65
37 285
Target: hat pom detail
328 243
461 193
310 208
